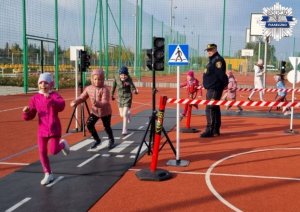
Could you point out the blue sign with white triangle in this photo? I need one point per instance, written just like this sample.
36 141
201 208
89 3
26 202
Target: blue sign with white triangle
178 55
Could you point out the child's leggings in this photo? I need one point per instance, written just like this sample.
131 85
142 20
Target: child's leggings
125 114
106 120
55 147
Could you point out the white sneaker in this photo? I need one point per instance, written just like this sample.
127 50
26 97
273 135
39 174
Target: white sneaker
66 149
287 113
47 179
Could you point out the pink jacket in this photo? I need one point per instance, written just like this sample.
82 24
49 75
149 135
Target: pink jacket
99 95
232 87
47 110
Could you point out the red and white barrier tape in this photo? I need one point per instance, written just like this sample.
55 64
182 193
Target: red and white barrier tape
263 89
233 103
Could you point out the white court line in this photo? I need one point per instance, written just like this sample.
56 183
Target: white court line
144 147
17 164
103 145
17 108
127 136
81 144
14 207
121 146
88 160
56 180
141 127
231 175
114 137
209 173
105 155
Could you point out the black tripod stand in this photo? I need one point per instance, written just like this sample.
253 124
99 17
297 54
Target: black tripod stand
81 121
151 126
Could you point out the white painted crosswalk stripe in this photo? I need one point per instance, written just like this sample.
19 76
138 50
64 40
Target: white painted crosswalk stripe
135 150
103 145
81 144
14 207
56 180
127 136
121 147
88 160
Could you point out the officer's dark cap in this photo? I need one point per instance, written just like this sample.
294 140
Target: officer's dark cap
211 46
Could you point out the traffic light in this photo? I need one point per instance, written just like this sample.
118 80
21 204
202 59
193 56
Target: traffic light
149 59
282 67
84 60
158 53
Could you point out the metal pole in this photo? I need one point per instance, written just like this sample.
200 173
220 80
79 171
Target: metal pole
120 35
25 60
223 31
293 94
136 37
56 47
100 32
265 59
141 39
259 44
83 40
106 41
178 116
294 46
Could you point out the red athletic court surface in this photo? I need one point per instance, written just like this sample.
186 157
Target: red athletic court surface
252 166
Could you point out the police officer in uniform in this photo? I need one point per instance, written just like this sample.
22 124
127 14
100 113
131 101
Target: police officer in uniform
214 81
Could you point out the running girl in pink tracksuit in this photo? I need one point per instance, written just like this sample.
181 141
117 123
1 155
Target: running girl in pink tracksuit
47 104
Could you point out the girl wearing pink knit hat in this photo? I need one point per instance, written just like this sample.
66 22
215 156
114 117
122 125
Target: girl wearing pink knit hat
101 109
191 85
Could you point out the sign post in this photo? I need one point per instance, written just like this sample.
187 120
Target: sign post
293 77
74 56
178 56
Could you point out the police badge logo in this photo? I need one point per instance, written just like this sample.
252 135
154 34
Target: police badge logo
277 22
219 64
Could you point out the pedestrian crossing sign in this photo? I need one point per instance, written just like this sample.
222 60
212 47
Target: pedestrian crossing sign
178 55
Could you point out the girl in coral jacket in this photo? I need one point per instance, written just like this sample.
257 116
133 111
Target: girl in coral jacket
47 104
231 90
101 109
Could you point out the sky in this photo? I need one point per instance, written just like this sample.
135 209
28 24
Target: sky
204 18
200 20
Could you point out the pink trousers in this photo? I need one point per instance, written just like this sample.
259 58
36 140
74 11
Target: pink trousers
55 147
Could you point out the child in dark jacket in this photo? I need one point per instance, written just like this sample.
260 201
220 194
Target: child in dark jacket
47 104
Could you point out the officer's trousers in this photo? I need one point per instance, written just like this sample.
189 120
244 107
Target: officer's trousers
213 112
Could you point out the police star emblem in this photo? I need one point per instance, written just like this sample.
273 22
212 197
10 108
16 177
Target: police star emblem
219 64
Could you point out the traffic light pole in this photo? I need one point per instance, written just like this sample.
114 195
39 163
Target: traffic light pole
84 64
152 119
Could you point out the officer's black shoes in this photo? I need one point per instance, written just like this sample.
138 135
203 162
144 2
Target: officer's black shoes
216 133
111 144
95 144
206 134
